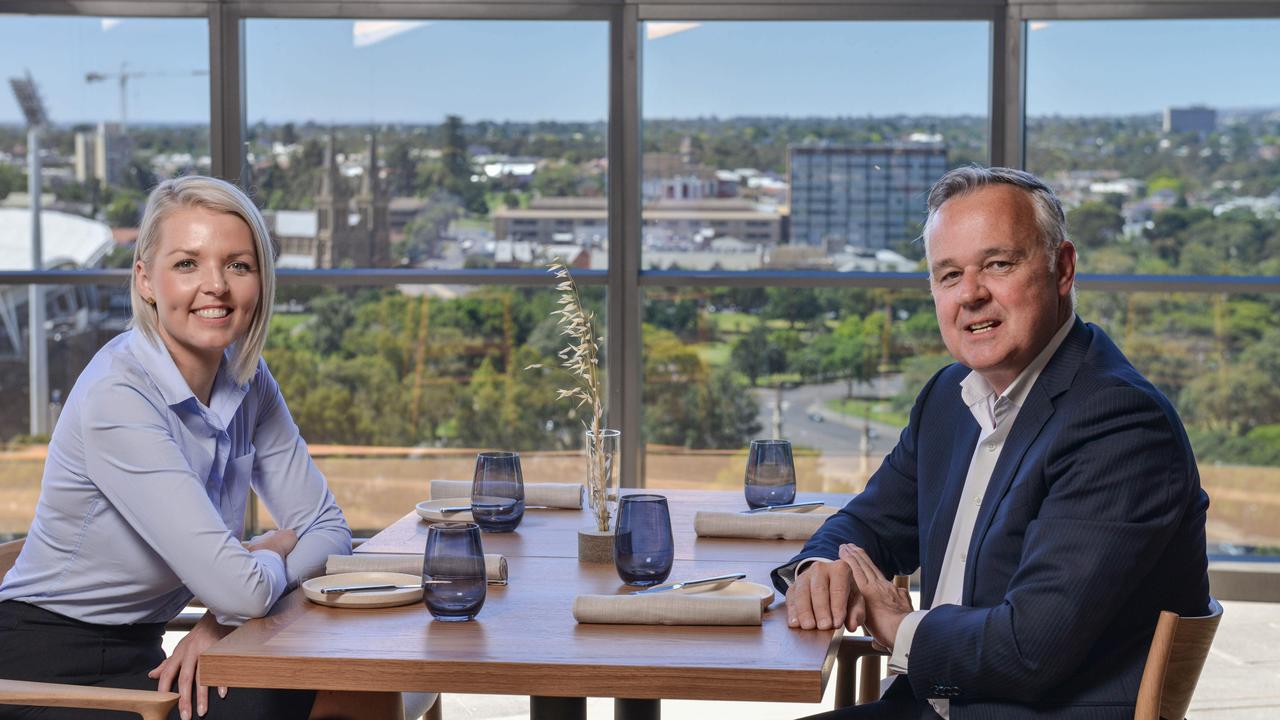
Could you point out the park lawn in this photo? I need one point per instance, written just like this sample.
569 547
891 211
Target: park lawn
714 354
727 321
290 321
878 411
740 323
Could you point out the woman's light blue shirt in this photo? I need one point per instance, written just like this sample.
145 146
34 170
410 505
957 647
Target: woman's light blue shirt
143 497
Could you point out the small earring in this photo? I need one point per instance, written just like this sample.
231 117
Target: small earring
151 301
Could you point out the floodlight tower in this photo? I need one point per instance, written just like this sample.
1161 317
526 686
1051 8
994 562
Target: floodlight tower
24 89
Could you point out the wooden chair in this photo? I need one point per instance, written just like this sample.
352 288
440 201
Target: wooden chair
155 705
1178 651
1179 648
858 647
150 704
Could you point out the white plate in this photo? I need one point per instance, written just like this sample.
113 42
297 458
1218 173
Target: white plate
371 599
430 510
739 588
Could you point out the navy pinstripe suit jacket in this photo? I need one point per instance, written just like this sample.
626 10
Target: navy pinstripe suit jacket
1093 522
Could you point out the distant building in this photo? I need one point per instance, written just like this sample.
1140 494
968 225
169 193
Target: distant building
861 196
342 231
112 151
668 176
1194 119
668 225
85 158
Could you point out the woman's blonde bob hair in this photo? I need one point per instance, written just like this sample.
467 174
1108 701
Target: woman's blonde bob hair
198 191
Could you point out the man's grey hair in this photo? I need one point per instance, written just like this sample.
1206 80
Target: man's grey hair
1051 221
196 191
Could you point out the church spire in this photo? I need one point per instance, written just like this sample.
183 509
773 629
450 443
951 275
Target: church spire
369 182
331 185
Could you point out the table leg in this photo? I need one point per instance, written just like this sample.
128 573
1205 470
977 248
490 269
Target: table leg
557 708
625 709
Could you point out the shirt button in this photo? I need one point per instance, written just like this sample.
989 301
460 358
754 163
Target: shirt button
964 557
991 447
977 500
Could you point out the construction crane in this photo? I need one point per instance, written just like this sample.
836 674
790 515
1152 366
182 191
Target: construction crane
123 77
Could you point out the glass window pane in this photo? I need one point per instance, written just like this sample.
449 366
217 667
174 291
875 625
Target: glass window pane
390 387
834 371
820 367
127 102
394 387
1161 137
818 153
487 148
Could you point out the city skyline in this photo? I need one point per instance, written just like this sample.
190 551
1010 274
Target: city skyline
376 72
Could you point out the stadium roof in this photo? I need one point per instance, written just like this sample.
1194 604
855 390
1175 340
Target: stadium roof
67 240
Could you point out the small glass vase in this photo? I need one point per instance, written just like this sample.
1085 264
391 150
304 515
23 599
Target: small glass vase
602 481
595 542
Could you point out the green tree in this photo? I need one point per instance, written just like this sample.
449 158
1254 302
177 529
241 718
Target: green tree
687 403
1095 224
11 178
123 210
556 180
856 348
747 356
792 304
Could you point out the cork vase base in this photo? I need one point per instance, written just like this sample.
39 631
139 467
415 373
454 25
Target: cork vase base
595 546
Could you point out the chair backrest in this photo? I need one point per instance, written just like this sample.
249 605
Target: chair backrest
1178 651
9 555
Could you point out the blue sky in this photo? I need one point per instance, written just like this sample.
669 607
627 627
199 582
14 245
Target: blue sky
340 71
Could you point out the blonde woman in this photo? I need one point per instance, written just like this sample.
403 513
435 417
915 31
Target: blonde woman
142 502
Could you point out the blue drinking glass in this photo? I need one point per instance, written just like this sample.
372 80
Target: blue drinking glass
497 492
454 553
643 548
771 473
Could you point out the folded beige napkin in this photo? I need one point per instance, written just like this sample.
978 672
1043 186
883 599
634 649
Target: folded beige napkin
668 608
495 566
555 495
781 525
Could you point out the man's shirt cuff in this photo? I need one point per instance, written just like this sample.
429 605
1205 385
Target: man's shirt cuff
789 573
902 641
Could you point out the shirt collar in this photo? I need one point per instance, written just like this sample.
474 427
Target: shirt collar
975 389
158 364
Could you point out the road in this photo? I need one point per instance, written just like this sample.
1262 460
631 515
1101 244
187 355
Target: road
835 432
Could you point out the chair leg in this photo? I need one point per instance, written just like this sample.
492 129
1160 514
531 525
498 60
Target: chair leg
435 712
869 680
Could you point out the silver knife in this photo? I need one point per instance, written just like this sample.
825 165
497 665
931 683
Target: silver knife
775 508
726 579
377 588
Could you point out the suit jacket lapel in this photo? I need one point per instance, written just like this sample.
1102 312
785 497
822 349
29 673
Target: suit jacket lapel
1054 380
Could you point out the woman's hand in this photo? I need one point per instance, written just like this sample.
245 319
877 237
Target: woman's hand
885 604
281 541
182 665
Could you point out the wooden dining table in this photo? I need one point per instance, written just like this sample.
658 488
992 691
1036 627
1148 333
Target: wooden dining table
525 640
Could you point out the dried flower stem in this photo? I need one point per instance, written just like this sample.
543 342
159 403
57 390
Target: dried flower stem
581 357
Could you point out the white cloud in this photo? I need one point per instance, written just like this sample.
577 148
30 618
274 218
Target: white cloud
370 32
655 30
108 23
1038 25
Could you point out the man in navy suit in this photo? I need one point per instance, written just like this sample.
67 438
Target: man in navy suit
1045 489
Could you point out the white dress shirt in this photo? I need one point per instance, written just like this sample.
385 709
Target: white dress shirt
995 415
143 496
